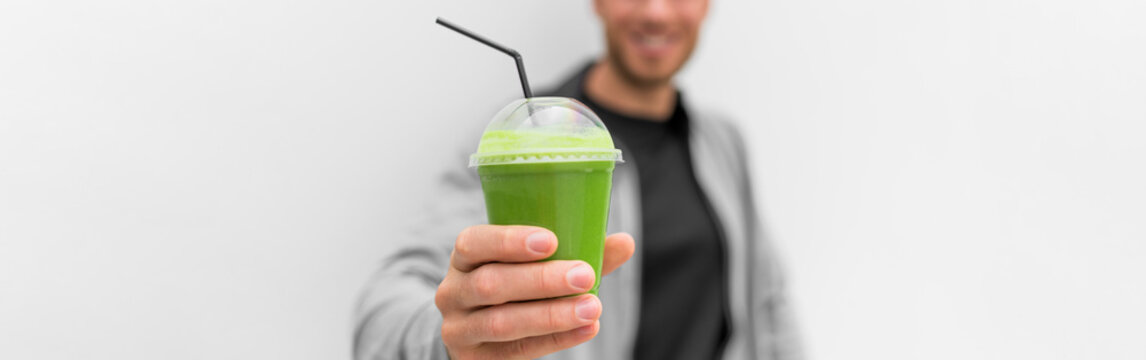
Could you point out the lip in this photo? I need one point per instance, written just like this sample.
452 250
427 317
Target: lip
653 45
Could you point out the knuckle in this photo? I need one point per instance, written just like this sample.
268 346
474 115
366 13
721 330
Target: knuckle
510 350
506 233
484 286
506 238
517 349
443 296
553 340
450 332
550 276
553 320
496 325
463 245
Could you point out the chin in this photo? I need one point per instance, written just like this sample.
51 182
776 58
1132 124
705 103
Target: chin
650 72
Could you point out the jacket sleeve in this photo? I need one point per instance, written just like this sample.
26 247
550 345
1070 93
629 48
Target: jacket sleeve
779 330
396 317
776 334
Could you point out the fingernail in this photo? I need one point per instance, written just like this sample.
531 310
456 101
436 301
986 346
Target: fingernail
539 242
581 277
588 308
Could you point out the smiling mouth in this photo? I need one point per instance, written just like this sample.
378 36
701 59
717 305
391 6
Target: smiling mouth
653 45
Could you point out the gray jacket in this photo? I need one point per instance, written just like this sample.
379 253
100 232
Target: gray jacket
397 319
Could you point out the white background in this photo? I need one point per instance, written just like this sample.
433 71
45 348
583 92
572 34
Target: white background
215 179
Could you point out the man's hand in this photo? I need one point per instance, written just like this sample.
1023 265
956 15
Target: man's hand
498 303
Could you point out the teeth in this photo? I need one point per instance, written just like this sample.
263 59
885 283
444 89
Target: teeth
653 41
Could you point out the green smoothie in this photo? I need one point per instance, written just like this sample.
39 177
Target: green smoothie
548 162
570 198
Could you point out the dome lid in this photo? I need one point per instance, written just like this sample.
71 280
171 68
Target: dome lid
544 130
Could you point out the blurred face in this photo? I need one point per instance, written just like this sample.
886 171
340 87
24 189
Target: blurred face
649 40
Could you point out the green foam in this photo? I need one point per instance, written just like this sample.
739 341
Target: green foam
495 141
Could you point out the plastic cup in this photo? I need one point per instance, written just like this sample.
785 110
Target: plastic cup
548 162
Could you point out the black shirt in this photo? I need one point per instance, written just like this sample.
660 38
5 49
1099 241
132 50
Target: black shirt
683 303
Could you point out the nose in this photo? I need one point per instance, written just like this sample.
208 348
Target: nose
656 12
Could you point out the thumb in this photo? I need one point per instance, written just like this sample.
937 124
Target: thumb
619 248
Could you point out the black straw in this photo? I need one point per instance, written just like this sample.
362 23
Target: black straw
511 52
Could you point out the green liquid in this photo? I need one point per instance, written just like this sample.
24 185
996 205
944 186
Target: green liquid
507 140
569 198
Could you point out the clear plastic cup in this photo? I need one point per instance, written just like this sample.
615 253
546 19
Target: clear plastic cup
548 162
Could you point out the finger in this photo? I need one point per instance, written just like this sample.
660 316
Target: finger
619 248
537 346
496 283
481 244
515 321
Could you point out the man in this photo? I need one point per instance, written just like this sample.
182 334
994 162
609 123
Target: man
701 285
